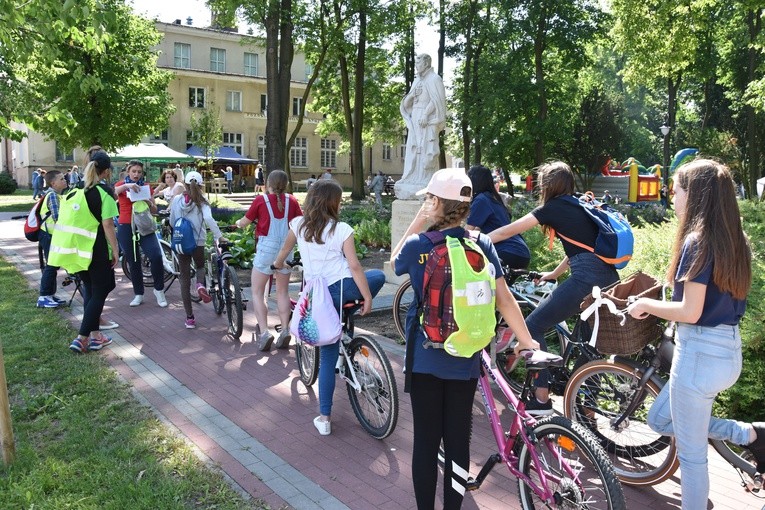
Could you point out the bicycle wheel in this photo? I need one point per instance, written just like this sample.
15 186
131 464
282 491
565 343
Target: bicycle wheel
574 466
167 253
214 286
308 362
233 297
402 299
596 395
376 405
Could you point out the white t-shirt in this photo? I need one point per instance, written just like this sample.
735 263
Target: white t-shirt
168 193
326 259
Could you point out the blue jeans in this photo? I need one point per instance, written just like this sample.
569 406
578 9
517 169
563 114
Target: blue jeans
48 279
150 246
707 361
328 354
587 271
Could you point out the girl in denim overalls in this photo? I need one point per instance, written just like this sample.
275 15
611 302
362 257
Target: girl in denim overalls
272 212
711 269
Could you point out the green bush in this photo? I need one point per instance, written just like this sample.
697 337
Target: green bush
7 184
371 225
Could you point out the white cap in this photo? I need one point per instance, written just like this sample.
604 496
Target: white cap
447 183
193 176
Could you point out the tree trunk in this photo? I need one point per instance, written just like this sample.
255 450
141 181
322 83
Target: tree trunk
279 55
441 50
357 145
539 74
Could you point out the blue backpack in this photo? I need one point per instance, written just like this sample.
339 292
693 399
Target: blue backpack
614 243
183 240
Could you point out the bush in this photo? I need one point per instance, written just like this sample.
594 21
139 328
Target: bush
8 184
370 223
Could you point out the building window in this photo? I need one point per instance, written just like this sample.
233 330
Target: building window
386 150
233 140
299 153
261 148
297 102
308 71
159 137
328 153
197 97
63 156
189 139
182 53
251 64
403 148
263 103
217 60
234 101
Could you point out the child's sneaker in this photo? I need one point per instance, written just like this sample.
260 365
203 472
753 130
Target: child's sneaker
76 346
47 302
161 300
191 323
536 408
137 300
264 342
96 344
284 339
757 447
203 294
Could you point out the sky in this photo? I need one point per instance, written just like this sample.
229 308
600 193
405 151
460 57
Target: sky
426 37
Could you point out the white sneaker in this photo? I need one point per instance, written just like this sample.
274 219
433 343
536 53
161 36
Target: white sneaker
324 427
161 300
137 300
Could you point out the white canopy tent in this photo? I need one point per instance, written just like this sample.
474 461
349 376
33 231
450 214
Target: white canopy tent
151 152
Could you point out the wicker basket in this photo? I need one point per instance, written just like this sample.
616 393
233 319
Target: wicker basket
613 338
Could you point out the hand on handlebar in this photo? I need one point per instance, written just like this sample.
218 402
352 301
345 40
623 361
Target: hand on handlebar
544 277
231 228
637 309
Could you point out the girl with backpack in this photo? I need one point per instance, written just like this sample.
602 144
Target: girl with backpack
193 206
327 249
711 271
442 386
272 212
488 213
568 220
129 238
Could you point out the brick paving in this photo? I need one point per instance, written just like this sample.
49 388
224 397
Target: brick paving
250 415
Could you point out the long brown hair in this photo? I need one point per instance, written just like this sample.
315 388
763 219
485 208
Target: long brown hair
553 180
195 193
322 207
277 181
454 211
713 220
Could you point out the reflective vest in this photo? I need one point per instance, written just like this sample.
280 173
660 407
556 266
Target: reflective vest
49 222
74 235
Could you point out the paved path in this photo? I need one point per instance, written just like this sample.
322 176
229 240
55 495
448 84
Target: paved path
250 414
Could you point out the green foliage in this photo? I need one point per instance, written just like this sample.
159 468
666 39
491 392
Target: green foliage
207 134
371 226
7 184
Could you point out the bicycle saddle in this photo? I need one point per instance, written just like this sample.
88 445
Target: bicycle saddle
539 360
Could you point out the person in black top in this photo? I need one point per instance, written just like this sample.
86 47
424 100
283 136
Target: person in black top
561 218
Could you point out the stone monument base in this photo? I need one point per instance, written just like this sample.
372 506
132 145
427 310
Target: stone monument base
402 214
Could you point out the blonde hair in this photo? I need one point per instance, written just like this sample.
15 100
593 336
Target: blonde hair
91 176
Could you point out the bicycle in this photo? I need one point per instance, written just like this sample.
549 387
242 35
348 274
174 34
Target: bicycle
366 370
558 464
222 283
611 397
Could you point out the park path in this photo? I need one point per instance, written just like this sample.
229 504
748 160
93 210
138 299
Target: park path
250 415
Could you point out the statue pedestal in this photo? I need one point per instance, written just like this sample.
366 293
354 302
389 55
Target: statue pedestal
402 213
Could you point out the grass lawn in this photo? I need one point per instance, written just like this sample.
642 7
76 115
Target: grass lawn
82 440
21 201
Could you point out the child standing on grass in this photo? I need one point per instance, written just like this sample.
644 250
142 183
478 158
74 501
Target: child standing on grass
327 249
193 206
711 269
49 210
442 386
272 211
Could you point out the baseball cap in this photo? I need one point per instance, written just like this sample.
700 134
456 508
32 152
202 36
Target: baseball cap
193 176
447 183
101 159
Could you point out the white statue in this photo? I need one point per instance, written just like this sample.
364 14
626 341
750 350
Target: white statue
424 112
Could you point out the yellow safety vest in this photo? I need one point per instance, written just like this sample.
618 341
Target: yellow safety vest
74 235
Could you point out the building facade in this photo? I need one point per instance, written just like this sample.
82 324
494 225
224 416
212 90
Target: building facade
225 71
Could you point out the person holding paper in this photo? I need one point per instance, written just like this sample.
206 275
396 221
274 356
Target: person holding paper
130 192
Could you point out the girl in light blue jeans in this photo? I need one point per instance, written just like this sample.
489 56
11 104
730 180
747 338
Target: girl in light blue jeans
711 267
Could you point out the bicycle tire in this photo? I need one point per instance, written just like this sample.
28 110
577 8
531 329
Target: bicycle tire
401 300
596 394
308 362
233 296
376 405
560 442
148 280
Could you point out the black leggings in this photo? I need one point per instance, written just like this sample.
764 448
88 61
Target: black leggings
441 409
97 283
184 261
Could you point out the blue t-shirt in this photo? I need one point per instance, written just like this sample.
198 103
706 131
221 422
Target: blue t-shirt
719 307
487 214
411 260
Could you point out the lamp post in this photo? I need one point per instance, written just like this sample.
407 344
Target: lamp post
665 129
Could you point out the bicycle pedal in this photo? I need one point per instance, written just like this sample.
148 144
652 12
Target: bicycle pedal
472 484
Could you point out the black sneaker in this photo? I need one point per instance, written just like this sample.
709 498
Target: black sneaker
536 408
757 447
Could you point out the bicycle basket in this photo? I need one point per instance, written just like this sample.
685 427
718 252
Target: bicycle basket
613 338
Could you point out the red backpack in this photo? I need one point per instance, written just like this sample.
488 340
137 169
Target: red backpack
34 221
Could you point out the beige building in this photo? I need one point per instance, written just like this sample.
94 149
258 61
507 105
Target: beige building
226 71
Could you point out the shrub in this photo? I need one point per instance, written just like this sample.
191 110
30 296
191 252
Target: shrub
8 184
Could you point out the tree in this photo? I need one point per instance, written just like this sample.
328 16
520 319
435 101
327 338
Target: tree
207 134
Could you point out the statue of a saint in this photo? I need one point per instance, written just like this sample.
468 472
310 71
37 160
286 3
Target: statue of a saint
424 112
